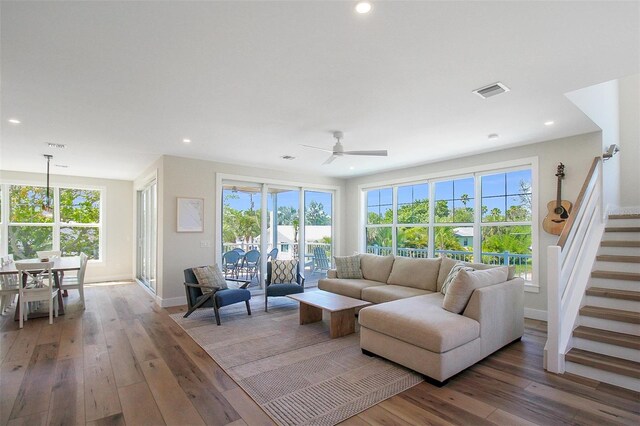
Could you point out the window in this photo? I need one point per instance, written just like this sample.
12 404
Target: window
506 220
494 229
74 227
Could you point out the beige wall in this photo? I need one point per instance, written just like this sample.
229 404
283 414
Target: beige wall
184 177
117 253
577 153
629 155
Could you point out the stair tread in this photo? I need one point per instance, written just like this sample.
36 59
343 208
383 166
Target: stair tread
613 293
616 243
622 229
606 336
604 362
625 216
616 275
618 258
611 314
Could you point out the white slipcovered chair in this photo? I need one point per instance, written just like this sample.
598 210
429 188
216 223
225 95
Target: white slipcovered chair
36 284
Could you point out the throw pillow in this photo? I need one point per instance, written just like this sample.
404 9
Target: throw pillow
463 286
348 266
210 276
283 271
452 275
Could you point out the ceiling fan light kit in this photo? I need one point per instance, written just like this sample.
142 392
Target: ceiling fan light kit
338 149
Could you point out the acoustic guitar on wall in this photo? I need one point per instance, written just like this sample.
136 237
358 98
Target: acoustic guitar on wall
559 209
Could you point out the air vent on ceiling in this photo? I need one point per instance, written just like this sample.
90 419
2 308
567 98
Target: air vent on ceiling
287 157
491 90
56 145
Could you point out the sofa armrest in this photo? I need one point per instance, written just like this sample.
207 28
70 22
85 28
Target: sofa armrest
500 311
332 273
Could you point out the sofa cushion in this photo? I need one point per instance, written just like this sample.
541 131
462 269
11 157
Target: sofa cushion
448 263
347 287
416 273
387 293
422 322
376 268
348 266
460 290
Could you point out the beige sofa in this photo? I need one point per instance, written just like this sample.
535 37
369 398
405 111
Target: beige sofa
408 324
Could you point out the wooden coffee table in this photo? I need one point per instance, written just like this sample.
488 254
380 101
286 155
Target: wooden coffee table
342 310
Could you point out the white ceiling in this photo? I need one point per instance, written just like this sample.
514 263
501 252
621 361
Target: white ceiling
121 83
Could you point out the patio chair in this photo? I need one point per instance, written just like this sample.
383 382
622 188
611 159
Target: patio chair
251 263
320 260
196 298
281 289
231 263
272 255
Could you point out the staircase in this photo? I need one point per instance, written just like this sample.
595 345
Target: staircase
606 343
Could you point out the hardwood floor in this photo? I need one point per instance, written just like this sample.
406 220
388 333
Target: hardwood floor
124 361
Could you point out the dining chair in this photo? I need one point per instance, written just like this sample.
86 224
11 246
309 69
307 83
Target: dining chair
33 288
231 263
8 287
77 282
48 254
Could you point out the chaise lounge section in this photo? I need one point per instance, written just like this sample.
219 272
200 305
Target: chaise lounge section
408 324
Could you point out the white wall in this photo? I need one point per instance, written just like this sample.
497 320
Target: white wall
117 260
577 153
629 155
184 177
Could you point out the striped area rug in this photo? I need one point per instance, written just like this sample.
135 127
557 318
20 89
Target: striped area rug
296 373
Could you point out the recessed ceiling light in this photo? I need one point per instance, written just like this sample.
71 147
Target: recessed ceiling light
351 167
287 157
363 7
186 140
549 123
56 145
14 121
493 136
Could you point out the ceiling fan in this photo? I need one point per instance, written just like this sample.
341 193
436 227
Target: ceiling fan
338 149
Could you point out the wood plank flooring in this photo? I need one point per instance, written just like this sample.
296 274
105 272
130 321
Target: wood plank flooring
123 361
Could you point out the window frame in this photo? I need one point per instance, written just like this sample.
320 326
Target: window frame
56 224
476 173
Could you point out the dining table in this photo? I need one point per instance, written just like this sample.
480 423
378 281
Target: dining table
60 266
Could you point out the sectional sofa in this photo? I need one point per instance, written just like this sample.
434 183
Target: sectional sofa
408 324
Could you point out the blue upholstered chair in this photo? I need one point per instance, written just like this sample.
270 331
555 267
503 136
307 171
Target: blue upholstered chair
216 300
281 289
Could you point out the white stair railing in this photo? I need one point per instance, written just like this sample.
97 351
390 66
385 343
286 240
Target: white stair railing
569 266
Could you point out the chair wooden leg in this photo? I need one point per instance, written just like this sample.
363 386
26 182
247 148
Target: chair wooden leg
51 310
266 302
215 309
248 307
82 296
197 305
22 307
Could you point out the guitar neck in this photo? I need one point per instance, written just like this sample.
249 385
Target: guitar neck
559 191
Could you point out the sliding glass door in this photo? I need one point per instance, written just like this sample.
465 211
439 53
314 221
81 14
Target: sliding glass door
147 222
275 220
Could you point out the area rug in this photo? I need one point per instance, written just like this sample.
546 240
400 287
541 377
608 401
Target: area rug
296 373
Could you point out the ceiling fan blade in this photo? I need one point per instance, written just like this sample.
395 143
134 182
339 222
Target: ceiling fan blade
380 152
330 159
315 147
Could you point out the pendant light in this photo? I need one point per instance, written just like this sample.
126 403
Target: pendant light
47 210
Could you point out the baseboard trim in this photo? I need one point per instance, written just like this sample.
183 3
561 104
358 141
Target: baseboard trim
535 314
172 301
102 279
